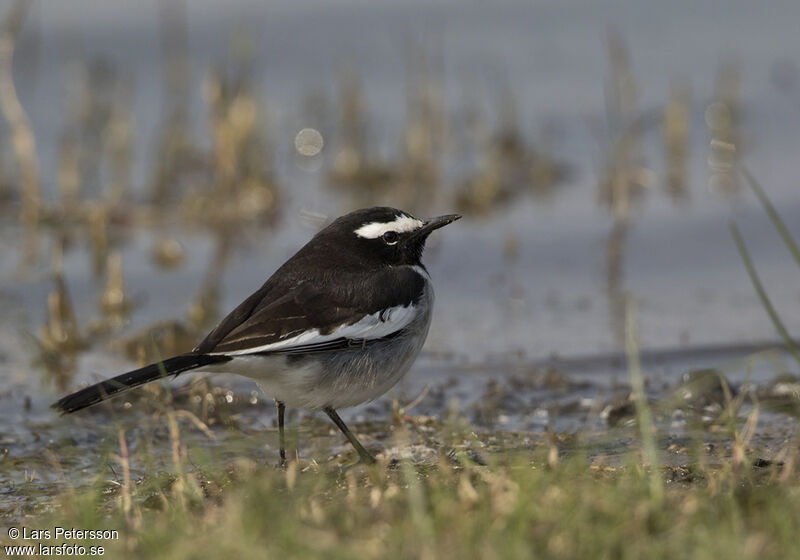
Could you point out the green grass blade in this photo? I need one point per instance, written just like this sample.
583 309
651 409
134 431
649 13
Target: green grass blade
773 215
762 294
643 413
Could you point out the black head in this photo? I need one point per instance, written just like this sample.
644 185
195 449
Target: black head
382 235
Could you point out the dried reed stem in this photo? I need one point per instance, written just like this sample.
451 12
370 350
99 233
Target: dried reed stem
22 138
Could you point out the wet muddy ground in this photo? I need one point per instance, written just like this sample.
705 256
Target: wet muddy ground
478 413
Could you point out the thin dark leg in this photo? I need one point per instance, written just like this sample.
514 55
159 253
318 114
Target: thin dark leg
281 410
365 455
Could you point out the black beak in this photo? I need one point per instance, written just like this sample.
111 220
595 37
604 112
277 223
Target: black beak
434 223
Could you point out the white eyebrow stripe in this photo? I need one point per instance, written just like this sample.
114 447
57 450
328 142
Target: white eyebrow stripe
401 224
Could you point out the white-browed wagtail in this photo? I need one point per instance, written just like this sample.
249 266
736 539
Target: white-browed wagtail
337 325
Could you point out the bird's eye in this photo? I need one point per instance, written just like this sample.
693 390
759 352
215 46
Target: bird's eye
390 237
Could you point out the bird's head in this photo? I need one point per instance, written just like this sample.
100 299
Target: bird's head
383 235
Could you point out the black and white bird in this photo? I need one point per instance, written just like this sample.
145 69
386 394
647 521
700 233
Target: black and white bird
337 325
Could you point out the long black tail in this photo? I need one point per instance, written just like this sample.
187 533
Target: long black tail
110 387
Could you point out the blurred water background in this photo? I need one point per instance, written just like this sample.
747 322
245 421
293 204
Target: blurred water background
184 150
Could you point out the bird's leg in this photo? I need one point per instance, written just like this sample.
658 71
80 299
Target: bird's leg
281 409
365 455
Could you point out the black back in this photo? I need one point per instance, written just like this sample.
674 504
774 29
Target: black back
335 279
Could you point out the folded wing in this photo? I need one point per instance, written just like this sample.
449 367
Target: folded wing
308 318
